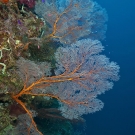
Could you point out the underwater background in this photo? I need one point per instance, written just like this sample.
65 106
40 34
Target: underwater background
118 115
52 69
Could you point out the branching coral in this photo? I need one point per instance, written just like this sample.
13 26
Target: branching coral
76 20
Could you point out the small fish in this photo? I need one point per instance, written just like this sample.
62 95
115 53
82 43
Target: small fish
43 1
19 22
49 14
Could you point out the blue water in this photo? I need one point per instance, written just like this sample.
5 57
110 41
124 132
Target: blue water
118 115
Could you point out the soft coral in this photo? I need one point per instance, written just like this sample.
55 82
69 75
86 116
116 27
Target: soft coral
29 3
4 1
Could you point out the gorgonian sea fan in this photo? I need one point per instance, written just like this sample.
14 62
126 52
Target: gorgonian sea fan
81 74
95 72
72 20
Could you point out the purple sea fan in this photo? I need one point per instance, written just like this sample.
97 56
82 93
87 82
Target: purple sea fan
82 60
75 20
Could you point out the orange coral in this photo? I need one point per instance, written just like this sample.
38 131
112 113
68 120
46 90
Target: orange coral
4 1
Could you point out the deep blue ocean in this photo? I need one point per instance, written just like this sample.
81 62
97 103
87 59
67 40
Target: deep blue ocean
118 115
